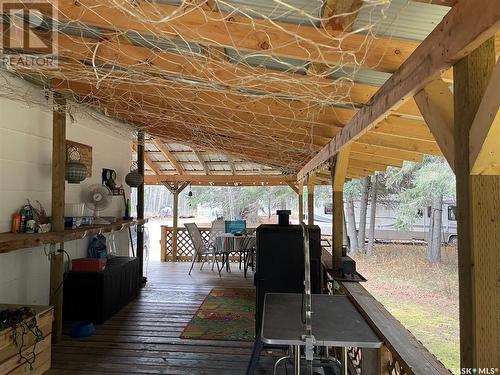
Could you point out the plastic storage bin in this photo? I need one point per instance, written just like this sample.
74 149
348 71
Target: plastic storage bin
88 265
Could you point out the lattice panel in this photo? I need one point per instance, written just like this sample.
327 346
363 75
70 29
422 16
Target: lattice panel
184 245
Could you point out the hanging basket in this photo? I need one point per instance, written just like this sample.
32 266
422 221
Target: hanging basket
75 171
134 179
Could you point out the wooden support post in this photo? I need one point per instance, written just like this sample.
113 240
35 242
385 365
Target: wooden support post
58 200
478 208
301 202
310 200
163 244
176 189
175 223
338 170
140 207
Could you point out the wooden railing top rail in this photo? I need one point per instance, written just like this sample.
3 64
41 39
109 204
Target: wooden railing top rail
412 354
168 227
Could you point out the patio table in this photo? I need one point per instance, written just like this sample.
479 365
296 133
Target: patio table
335 322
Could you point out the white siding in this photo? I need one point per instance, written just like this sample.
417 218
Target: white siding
25 172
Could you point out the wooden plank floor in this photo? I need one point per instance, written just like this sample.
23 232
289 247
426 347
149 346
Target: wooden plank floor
143 338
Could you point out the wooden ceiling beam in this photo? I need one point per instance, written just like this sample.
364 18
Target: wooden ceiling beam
202 162
229 179
166 152
375 158
400 143
338 175
230 30
377 151
375 165
361 172
436 104
484 142
466 26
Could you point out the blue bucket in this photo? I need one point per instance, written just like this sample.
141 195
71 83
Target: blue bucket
84 328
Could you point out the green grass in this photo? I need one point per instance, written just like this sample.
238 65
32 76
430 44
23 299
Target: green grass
422 296
437 332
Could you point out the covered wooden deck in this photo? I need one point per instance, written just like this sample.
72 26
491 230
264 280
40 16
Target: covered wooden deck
144 338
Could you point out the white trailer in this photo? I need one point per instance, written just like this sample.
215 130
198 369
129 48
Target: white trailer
385 221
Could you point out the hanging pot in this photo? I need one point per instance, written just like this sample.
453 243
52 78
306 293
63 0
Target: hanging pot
134 179
75 171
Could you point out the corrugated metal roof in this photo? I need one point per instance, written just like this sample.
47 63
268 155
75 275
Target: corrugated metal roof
169 45
369 77
402 19
178 147
293 11
265 61
78 29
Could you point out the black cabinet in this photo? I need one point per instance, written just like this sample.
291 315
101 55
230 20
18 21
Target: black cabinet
280 262
96 296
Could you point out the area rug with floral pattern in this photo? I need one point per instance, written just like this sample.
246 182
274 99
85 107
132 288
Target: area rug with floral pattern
225 314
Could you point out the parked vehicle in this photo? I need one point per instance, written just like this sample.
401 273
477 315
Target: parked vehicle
385 220
165 212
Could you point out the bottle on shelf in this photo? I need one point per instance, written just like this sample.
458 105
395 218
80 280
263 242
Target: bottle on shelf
16 222
22 225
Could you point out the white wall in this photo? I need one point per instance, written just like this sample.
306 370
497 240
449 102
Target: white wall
25 172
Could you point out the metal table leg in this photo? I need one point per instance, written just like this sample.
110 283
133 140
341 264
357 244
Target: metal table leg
296 359
254 359
345 367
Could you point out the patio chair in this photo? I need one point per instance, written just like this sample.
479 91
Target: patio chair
216 229
201 247
248 250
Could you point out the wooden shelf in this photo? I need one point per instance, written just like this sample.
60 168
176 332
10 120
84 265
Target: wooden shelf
15 241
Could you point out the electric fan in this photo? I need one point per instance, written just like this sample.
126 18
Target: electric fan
97 198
